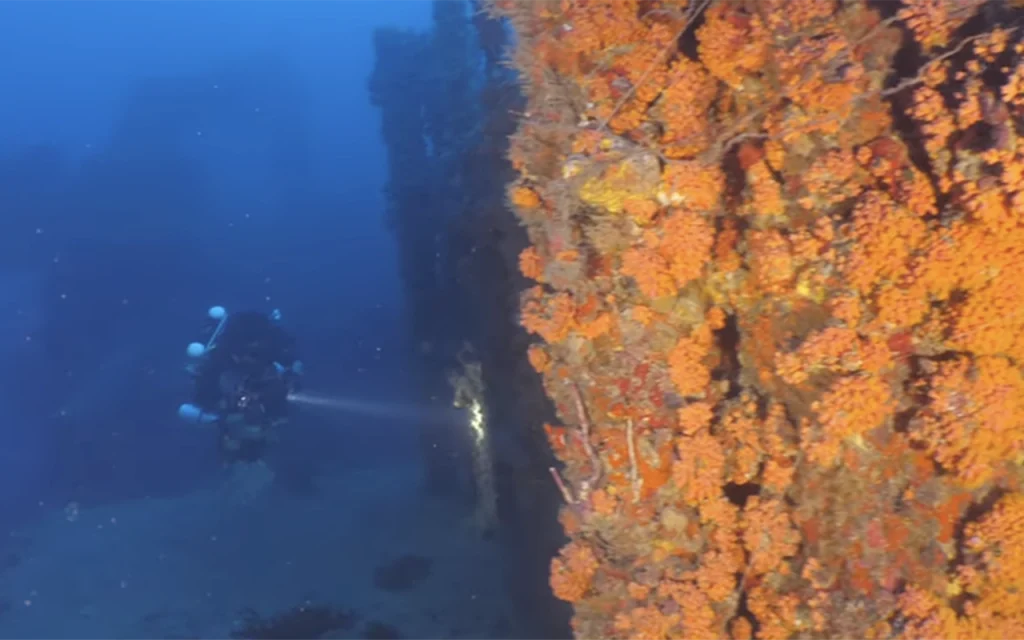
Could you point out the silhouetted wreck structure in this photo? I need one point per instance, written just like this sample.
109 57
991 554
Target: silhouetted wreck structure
448 106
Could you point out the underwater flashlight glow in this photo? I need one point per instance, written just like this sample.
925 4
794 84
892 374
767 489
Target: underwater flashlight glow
335 403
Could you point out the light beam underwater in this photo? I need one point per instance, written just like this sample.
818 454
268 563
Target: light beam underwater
393 411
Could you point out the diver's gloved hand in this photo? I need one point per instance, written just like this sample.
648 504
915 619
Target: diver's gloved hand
294 381
292 376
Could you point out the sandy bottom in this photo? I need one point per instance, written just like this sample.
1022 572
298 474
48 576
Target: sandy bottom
194 566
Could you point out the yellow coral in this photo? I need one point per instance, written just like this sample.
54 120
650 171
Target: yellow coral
621 183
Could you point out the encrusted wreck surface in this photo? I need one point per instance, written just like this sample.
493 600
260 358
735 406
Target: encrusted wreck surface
778 252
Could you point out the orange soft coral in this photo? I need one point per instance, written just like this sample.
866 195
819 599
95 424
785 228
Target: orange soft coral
684 106
933 21
990 579
686 362
549 316
887 235
693 184
649 270
733 43
699 472
686 245
530 264
853 406
974 424
572 573
768 535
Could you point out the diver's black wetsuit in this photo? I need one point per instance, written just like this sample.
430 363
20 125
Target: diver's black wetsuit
238 375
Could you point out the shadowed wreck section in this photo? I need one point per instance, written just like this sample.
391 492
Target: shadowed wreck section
448 105
774 248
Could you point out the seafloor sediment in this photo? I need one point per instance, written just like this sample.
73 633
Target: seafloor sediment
367 556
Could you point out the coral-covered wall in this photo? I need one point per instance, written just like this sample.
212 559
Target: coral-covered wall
778 248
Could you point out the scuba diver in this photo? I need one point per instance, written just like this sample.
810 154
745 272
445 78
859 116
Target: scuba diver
244 369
